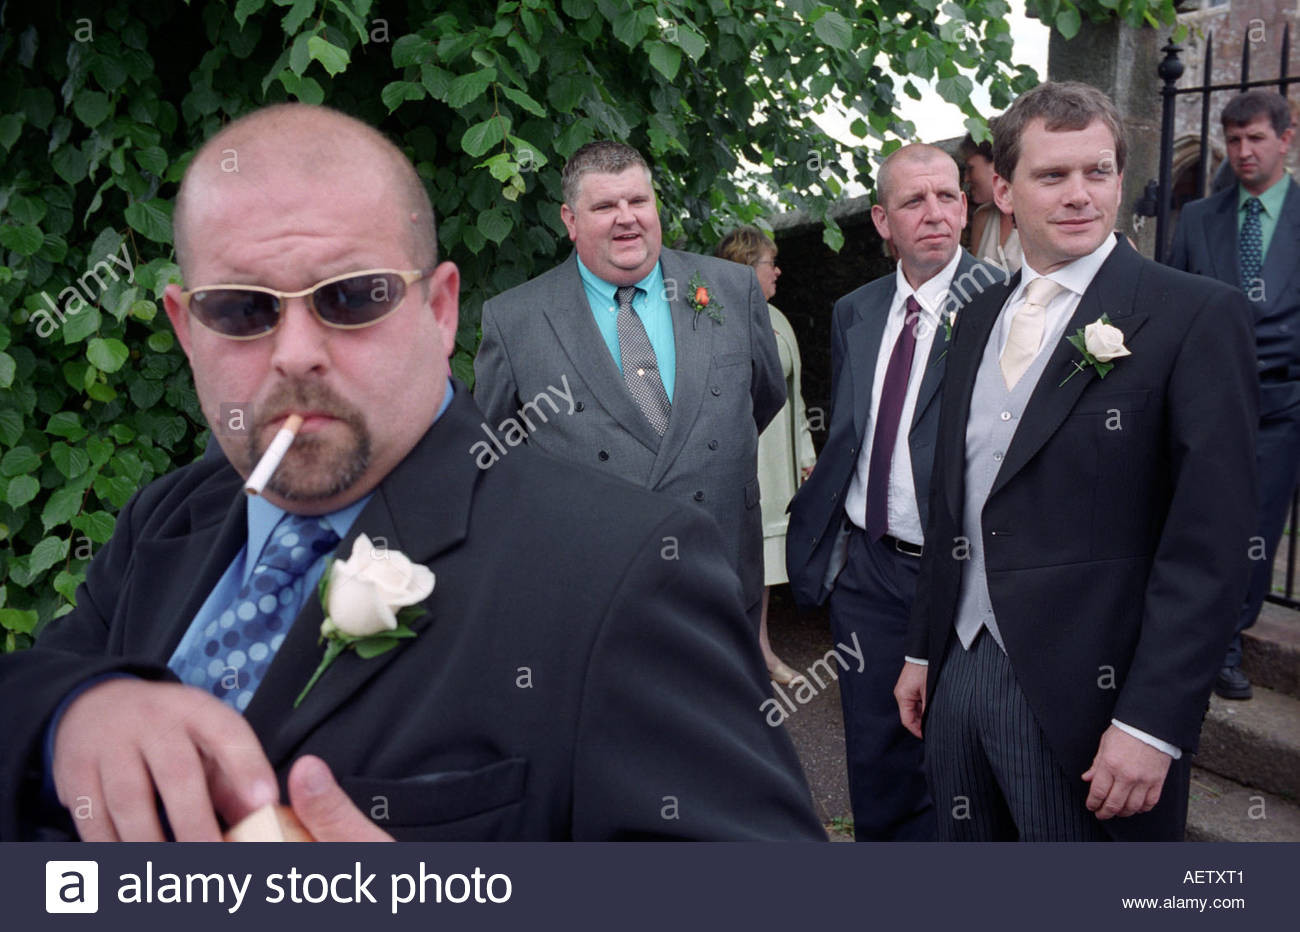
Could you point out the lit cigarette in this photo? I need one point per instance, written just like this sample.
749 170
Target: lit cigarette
270 460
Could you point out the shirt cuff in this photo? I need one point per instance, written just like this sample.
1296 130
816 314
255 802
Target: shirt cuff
918 662
1145 738
48 791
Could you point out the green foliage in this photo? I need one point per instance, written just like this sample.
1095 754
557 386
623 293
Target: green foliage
103 103
1067 16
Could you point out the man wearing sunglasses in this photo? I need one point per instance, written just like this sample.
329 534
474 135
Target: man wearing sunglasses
539 696
670 356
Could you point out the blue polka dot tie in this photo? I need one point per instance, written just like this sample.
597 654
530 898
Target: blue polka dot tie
1252 244
235 650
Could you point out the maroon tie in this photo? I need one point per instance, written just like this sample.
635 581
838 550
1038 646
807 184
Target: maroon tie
888 414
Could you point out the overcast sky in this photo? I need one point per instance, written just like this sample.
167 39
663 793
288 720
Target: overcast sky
937 119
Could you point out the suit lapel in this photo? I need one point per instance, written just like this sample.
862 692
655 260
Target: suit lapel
934 366
406 517
933 376
569 313
862 346
1280 263
971 333
215 530
693 341
1111 292
1221 238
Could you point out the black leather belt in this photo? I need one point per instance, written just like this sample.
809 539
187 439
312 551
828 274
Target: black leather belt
902 546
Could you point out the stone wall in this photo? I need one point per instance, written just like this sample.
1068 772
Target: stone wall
1121 61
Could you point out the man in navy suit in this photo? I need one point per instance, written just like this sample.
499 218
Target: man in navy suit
1248 235
857 526
183 685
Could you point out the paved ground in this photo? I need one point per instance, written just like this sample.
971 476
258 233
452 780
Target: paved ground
817 727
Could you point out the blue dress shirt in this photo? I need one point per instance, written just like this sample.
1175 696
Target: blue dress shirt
262 520
650 304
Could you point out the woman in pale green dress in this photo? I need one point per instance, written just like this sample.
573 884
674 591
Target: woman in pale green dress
785 448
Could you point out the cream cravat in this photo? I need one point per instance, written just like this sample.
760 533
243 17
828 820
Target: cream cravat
1027 330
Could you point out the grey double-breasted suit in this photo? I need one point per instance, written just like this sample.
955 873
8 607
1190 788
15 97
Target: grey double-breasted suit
541 336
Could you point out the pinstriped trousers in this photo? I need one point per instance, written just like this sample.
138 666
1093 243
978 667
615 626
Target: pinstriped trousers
991 773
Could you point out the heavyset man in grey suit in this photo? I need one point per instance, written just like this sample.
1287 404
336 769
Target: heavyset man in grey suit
669 358
870 578
1248 235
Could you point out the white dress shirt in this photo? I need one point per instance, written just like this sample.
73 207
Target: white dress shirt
1074 280
932 296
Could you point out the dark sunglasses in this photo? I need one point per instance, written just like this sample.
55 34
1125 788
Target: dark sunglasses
348 302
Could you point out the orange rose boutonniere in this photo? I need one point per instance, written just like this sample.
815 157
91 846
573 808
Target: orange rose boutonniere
703 300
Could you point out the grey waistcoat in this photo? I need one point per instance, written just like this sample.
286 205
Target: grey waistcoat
994 416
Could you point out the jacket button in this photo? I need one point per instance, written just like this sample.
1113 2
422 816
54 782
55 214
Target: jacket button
578 406
699 496
602 455
716 390
713 444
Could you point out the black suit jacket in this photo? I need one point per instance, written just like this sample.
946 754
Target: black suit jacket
1115 531
815 539
576 675
1205 243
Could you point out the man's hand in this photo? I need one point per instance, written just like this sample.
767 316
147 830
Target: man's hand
123 741
909 692
1126 775
324 809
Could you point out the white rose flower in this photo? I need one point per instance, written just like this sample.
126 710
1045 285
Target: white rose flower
367 589
1104 341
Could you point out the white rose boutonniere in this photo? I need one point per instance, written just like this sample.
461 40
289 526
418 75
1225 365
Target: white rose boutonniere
369 599
949 320
1101 343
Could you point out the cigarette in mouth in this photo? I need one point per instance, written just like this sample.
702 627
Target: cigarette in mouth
270 460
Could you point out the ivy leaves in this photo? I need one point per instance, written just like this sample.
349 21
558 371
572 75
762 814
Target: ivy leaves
101 108
96 401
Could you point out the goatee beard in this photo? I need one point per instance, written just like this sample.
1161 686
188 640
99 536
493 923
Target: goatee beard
314 468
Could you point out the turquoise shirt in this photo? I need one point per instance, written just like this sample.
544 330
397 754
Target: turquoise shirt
650 304
1271 200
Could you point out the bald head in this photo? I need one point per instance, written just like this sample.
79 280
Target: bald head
920 210
318 144
915 154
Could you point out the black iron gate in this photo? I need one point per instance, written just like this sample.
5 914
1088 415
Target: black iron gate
1170 70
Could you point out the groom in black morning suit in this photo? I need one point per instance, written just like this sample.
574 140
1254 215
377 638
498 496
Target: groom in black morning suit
1084 553
857 526
566 680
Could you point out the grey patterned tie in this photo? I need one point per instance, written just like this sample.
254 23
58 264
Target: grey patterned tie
640 367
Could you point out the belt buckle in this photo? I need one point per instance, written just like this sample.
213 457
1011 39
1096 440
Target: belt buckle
907 549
